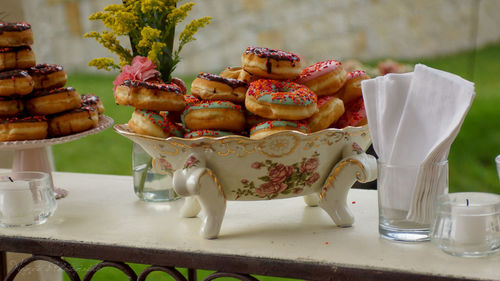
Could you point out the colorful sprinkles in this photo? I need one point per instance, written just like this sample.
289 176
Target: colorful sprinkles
13 74
299 126
207 133
14 49
210 105
355 74
14 26
38 118
43 69
281 92
161 120
318 68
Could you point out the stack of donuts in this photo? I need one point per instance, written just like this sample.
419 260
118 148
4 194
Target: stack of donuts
271 91
34 102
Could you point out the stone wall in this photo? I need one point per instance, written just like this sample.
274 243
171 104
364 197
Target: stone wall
316 29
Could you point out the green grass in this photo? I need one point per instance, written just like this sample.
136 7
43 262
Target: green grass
471 157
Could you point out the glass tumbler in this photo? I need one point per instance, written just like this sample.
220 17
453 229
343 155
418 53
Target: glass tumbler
26 198
406 195
150 185
467 224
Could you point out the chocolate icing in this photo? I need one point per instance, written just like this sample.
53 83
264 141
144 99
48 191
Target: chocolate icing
13 74
42 69
50 92
14 49
153 86
233 83
23 119
272 54
14 26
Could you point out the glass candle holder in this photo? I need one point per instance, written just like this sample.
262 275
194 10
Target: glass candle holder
467 224
406 195
26 198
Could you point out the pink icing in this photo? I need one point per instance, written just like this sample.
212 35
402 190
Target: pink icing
142 69
355 74
316 70
323 100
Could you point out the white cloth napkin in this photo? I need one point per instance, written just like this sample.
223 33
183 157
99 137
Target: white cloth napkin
413 119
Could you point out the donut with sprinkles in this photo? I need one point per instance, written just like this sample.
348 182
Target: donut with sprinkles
15 34
150 96
10 106
48 76
72 121
207 133
153 123
53 101
214 115
271 63
16 58
274 99
354 115
209 86
351 90
15 82
27 128
267 128
323 78
329 111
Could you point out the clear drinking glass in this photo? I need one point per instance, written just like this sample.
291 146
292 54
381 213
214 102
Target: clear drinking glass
406 197
26 198
149 185
497 161
467 224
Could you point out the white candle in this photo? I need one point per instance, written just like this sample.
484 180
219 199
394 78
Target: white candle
16 203
469 223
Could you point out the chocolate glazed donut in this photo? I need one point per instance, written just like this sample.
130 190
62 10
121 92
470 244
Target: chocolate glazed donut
15 34
270 63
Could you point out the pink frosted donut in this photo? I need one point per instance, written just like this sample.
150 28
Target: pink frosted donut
352 86
267 128
354 115
323 78
274 99
329 111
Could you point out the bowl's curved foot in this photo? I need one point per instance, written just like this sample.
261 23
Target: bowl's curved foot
203 191
355 166
312 200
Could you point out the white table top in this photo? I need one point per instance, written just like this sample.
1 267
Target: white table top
103 209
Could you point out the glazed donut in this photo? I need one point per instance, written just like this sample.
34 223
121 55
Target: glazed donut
152 123
323 78
273 126
352 87
10 106
329 110
150 96
16 58
269 63
73 121
15 82
274 99
207 133
93 101
214 87
216 115
48 76
354 115
53 101
15 34
247 77
28 128
231 72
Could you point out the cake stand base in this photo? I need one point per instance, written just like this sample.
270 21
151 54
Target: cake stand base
35 159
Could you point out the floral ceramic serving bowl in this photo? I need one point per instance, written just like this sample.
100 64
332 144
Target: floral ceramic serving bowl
321 166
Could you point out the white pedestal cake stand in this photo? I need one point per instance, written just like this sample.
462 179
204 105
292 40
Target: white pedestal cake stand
31 155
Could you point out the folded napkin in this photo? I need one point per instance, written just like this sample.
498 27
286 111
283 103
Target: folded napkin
413 119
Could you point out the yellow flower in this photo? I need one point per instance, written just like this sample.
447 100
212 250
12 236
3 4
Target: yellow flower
156 52
149 35
187 35
103 63
179 14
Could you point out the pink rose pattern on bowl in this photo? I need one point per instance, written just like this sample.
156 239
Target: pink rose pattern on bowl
321 167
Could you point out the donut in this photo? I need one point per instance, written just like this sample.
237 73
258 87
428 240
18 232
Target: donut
48 76
253 119
207 133
352 87
354 115
269 63
179 83
216 115
53 101
16 58
27 128
73 121
247 77
329 110
175 116
274 99
231 72
15 82
15 34
323 78
150 96
208 86
267 128
10 106
152 123
93 101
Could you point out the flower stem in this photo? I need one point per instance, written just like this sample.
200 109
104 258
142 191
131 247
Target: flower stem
144 176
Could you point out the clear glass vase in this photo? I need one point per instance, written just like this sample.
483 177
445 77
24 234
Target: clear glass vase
149 185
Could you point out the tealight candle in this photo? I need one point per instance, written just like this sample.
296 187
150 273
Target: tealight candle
467 224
